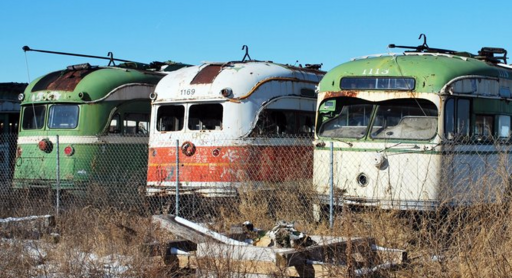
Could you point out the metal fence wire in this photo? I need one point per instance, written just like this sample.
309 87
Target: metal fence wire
273 178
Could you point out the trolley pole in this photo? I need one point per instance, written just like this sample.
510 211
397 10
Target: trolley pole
177 177
331 186
58 178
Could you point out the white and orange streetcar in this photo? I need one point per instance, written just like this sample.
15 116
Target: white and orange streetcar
218 126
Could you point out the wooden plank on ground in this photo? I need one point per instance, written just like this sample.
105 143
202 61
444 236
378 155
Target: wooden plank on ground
192 231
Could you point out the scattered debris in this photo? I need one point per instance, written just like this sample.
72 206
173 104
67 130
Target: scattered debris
283 250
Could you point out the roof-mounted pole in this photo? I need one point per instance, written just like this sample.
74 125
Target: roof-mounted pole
110 54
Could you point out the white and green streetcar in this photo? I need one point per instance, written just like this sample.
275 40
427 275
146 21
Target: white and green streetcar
418 130
86 125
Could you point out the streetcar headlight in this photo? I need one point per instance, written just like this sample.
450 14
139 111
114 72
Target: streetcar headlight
21 97
83 95
226 92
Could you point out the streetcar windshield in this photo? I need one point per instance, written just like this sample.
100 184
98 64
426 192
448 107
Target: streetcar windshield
351 122
63 116
405 119
414 119
33 116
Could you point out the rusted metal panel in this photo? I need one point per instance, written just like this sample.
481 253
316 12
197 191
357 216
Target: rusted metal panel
207 74
61 80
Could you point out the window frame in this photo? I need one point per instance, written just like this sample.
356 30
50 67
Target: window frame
52 119
40 121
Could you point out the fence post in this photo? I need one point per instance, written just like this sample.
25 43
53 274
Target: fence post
331 186
177 177
58 177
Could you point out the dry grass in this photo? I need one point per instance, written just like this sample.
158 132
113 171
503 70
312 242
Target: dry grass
463 242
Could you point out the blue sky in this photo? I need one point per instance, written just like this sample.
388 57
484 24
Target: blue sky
192 31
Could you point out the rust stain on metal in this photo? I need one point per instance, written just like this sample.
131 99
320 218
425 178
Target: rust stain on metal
207 74
61 81
341 94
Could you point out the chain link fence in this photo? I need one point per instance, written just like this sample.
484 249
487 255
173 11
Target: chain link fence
258 178
48 174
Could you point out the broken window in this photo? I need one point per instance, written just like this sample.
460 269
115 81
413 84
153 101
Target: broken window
170 118
274 122
205 116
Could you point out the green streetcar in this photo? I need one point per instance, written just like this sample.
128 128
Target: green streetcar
86 125
415 131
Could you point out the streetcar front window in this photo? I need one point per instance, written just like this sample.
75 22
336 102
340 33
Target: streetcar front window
205 117
63 116
33 117
170 118
351 122
393 119
405 119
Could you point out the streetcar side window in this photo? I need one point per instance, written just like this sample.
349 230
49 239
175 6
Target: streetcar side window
205 117
115 124
136 123
275 122
63 116
33 117
306 123
456 125
170 118
504 126
463 117
483 128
